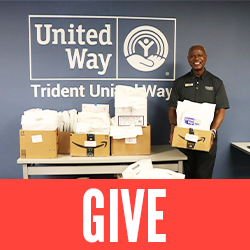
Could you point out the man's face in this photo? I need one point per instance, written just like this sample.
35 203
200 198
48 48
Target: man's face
197 58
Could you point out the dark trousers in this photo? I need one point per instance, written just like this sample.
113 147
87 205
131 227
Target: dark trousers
200 164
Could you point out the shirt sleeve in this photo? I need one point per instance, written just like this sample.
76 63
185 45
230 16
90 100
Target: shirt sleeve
174 96
221 98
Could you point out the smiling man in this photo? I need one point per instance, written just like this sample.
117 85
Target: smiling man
200 86
197 58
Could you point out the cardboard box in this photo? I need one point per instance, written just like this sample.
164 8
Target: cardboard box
141 145
64 142
38 144
200 140
89 145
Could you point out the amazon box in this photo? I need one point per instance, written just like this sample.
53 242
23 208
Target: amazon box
36 144
140 145
193 140
89 145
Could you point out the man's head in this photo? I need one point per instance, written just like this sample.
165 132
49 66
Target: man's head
197 58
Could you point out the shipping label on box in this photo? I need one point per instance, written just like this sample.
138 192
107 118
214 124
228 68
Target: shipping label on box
141 145
196 140
89 145
35 144
126 120
130 116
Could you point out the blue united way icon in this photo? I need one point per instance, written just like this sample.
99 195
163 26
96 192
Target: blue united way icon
148 49
146 37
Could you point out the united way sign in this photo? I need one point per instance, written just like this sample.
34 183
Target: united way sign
63 47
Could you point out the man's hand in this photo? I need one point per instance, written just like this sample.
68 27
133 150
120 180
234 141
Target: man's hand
212 140
171 137
172 120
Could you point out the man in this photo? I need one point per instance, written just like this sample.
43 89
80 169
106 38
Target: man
199 86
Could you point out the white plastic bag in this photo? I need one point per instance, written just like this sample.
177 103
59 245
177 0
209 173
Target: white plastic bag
143 169
93 123
95 108
37 119
119 132
138 169
127 96
195 115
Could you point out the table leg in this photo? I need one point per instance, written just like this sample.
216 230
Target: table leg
25 171
180 167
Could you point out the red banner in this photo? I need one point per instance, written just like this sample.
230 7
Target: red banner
94 214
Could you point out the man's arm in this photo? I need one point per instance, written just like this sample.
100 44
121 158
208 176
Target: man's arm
218 118
173 121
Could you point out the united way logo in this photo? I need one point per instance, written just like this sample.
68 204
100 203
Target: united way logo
66 47
145 48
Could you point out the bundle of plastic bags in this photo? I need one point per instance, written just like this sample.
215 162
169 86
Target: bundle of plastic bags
93 123
143 169
67 120
38 119
195 115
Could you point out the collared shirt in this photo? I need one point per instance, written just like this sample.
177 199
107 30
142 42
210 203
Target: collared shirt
206 88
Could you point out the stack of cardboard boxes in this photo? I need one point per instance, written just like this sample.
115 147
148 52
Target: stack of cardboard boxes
47 144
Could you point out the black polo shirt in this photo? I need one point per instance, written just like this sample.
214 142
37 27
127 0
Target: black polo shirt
206 88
